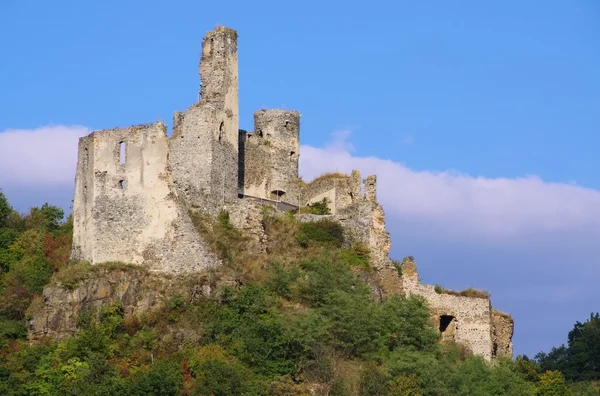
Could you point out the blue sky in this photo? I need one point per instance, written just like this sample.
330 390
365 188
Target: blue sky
480 119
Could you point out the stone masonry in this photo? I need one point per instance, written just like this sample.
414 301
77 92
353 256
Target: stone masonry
135 189
468 320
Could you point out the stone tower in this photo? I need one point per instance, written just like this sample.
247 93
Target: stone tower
281 129
204 148
270 158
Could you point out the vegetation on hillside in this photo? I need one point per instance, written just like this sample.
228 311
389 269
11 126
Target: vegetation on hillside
300 320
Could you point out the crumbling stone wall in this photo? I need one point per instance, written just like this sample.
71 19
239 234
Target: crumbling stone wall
204 145
339 190
247 215
502 332
125 209
469 320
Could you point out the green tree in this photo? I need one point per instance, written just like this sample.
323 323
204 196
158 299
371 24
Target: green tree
5 210
552 383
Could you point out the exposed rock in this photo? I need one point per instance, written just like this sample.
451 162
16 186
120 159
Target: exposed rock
139 291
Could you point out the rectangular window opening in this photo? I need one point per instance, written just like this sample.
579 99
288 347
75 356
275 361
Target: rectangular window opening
122 184
121 153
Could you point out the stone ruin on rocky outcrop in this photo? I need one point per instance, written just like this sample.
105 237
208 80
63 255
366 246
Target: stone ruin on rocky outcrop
135 188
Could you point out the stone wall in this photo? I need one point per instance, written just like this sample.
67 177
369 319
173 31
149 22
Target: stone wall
339 190
502 332
247 216
125 208
467 320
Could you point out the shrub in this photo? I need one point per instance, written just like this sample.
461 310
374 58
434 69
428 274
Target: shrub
217 373
318 208
228 243
322 232
12 329
356 256
71 275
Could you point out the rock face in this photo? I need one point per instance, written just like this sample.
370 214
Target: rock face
139 291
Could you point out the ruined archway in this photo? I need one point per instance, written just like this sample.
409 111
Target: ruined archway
447 327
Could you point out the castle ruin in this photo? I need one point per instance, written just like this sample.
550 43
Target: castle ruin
135 188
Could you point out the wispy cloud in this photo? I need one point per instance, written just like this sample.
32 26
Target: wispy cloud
45 156
457 202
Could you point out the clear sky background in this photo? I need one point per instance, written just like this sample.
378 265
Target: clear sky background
481 120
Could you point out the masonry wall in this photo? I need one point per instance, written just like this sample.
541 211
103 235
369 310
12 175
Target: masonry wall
204 146
129 211
339 190
471 322
502 332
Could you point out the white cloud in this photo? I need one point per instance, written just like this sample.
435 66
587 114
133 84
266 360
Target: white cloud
453 202
45 156
464 204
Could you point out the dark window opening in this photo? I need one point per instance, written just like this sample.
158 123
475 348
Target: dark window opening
292 155
277 194
121 153
122 184
221 127
286 123
259 132
445 321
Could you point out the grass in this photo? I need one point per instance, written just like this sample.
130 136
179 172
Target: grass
71 275
470 292
502 314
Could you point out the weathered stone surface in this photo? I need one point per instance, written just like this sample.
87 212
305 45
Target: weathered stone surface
139 291
502 332
125 207
339 190
270 160
247 215
467 320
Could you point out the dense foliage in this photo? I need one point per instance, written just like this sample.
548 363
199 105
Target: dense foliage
579 360
298 319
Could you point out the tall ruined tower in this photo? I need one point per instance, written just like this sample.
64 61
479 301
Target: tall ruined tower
204 147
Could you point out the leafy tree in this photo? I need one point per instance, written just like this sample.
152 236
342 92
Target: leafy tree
580 359
5 210
552 383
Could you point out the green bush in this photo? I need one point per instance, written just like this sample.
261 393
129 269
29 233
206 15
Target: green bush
72 274
356 256
322 232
